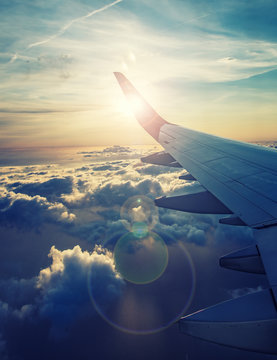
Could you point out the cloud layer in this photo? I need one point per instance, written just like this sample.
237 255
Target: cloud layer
79 201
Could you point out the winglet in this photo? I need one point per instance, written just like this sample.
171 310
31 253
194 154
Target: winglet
144 113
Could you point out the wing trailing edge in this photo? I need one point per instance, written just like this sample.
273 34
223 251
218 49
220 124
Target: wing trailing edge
248 322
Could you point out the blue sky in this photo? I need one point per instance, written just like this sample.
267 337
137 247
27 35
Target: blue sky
210 66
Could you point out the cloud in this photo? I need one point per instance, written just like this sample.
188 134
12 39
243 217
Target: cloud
31 212
35 111
185 232
110 151
236 235
53 307
67 26
18 292
64 285
227 59
235 293
105 167
3 354
117 149
112 194
50 189
155 170
103 196
60 293
91 202
70 198
187 72
21 57
196 236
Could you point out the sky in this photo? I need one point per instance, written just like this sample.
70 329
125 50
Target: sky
89 267
209 66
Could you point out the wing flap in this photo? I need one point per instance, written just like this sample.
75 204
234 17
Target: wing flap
232 220
161 158
247 260
187 177
202 203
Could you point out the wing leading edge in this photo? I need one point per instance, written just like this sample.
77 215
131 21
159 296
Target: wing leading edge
239 179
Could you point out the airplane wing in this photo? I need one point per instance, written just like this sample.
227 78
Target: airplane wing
239 182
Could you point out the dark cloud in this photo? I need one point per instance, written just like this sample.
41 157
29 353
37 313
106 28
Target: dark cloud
110 149
18 293
155 170
117 149
83 168
112 152
105 167
4 202
3 354
196 236
50 189
59 295
37 173
64 285
236 235
25 211
112 194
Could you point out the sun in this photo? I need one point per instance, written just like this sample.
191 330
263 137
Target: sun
136 104
133 106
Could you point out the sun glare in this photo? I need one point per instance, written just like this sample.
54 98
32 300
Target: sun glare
136 104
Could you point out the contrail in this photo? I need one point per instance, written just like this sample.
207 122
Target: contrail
67 26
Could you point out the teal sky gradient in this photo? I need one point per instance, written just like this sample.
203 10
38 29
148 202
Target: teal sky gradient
206 65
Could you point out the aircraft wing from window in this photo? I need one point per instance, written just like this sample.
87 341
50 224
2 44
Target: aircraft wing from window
239 182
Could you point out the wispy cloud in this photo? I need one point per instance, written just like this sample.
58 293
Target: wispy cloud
196 60
21 57
43 111
67 26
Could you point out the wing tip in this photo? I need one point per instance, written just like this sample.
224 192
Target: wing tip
145 114
119 76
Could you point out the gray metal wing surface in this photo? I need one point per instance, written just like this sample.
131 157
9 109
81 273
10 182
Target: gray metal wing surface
240 180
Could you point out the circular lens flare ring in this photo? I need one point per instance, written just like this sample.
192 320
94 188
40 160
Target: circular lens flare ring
115 319
139 229
142 259
139 209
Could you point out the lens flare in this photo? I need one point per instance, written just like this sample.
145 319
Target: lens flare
153 307
159 279
141 259
139 209
139 229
